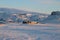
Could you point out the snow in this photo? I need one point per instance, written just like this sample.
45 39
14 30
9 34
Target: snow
47 29
54 18
15 31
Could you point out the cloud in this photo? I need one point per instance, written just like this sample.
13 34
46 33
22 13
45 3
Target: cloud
51 2
28 9
54 2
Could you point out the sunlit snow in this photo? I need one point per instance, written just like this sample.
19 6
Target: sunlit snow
14 31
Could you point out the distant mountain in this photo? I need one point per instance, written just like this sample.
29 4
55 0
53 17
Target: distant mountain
53 18
15 14
11 10
20 15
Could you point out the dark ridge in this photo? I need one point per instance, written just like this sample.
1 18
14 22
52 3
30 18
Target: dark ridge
55 13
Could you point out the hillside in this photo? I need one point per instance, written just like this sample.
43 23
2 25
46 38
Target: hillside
53 18
16 15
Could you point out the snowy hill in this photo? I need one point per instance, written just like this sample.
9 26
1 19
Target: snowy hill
10 10
13 10
17 31
53 18
16 15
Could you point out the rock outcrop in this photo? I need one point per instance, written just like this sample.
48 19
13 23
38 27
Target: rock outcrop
55 13
53 18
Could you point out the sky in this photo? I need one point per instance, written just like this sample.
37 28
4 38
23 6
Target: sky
42 6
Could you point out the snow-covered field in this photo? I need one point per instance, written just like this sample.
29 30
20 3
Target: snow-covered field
14 31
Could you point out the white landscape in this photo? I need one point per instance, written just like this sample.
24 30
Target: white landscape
22 25
15 31
29 19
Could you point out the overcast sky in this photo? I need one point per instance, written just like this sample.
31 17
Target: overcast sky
42 6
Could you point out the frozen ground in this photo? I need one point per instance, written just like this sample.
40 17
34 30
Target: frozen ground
13 31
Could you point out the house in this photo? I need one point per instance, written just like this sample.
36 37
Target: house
10 21
33 22
29 22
